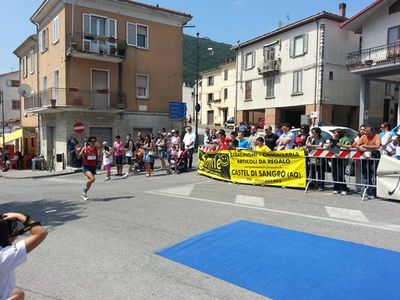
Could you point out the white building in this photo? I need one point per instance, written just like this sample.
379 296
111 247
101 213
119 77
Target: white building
377 60
188 98
9 83
218 94
297 74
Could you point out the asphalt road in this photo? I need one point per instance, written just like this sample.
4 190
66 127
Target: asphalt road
104 248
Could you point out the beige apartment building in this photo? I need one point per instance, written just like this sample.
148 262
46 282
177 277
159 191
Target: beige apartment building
99 68
217 94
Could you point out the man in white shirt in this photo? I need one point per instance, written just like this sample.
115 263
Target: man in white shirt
189 140
286 139
13 255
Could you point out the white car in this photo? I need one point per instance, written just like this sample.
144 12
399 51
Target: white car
327 132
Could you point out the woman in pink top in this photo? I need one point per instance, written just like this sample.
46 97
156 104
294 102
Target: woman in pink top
118 148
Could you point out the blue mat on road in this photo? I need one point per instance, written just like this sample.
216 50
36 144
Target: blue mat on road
286 264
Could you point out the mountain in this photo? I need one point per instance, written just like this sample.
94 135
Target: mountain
222 52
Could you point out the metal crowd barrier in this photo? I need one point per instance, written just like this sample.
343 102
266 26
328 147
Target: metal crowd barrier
343 168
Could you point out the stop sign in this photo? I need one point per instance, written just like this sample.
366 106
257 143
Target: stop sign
78 127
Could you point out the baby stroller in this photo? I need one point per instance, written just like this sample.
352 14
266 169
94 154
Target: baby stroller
178 161
139 163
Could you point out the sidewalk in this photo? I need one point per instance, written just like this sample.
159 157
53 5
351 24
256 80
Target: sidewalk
25 174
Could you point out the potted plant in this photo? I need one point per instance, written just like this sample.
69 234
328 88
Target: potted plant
74 45
101 38
88 36
113 50
111 39
121 47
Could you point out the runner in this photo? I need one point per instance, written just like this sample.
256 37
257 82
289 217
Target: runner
91 155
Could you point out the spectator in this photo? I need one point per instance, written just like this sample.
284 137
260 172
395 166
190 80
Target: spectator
270 138
317 165
13 255
207 136
252 138
234 141
161 147
369 142
304 133
118 148
279 131
260 146
188 141
338 164
286 139
129 150
386 138
243 143
223 141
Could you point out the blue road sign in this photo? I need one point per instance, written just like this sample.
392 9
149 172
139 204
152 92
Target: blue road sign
177 110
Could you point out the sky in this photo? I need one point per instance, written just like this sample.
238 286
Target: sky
225 21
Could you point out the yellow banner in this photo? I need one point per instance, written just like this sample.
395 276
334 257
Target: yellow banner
277 168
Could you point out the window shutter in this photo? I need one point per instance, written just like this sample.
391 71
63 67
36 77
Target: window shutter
86 23
131 34
305 43
46 38
254 60
41 41
291 48
112 24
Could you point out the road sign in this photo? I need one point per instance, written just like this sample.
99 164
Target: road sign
78 127
177 110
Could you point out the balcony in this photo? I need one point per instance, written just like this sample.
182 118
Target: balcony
95 47
269 66
75 99
382 56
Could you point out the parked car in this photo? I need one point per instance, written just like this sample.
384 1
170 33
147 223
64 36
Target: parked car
230 123
260 123
326 134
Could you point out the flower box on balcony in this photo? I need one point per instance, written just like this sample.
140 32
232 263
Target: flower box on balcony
102 91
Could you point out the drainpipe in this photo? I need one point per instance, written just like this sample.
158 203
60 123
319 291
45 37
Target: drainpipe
321 69
37 80
236 84
316 69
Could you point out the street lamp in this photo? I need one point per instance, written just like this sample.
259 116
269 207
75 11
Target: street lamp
3 134
197 105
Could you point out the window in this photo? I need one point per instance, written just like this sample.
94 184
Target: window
298 45
269 53
330 75
142 36
225 93
210 97
225 74
56 34
247 95
16 104
142 86
137 35
249 63
394 8
24 67
43 40
210 80
297 82
270 82
388 88
32 62
12 83
393 35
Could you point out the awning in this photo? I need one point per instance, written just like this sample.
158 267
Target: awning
9 137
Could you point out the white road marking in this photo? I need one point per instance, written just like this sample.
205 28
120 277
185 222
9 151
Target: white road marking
388 227
346 214
50 211
250 200
181 190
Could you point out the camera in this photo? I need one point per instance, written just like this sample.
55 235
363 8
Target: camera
14 227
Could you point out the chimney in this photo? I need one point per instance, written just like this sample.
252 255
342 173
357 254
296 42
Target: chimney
342 9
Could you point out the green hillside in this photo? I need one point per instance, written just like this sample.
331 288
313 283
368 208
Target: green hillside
221 53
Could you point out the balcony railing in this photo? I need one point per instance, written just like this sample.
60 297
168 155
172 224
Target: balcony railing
73 97
382 55
269 66
86 43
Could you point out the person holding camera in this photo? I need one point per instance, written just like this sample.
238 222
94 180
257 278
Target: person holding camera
12 255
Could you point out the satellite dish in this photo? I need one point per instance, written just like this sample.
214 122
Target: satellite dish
24 90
